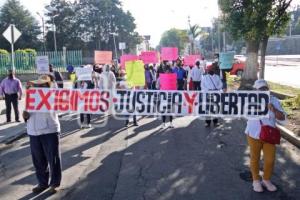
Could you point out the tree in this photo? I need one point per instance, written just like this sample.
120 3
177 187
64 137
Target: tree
174 38
277 21
12 12
194 31
88 24
252 20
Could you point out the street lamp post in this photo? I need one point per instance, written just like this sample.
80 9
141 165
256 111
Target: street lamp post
116 53
43 24
54 33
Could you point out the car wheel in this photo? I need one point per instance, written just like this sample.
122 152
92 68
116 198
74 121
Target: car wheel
239 73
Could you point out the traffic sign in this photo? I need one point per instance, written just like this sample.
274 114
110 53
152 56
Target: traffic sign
12 34
122 45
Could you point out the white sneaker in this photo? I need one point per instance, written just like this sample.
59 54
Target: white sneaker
171 125
257 187
81 126
88 126
269 185
163 125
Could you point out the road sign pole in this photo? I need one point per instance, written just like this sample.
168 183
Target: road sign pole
12 47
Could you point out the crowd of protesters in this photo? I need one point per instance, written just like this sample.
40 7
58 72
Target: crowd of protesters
44 128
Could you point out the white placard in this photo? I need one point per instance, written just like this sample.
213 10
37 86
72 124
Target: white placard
84 74
42 64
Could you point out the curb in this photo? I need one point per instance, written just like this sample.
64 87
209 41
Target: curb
289 136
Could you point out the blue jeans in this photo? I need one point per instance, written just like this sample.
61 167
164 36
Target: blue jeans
45 156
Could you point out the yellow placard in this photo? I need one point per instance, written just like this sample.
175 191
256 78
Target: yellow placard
135 73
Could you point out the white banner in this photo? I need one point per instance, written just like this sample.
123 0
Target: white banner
149 102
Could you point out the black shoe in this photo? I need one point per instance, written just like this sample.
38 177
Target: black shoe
38 189
18 120
135 124
207 125
8 121
53 189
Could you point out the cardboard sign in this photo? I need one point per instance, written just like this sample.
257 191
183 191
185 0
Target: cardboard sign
226 60
103 57
169 53
127 57
84 74
42 64
250 104
149 57
190 60
135 73
168 81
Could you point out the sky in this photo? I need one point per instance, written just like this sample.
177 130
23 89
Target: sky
153 17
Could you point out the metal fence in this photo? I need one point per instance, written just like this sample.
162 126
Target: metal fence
25 63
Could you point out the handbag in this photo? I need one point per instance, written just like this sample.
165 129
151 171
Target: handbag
269 134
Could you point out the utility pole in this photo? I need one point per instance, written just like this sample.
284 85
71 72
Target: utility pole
43 24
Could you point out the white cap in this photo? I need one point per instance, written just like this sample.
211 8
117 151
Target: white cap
260 83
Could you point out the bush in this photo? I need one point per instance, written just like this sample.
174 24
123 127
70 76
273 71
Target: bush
3 52
31 51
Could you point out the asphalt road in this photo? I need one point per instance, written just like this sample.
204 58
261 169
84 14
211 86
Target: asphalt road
147 162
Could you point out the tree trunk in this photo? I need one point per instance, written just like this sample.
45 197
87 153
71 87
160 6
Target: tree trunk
263 49
250 72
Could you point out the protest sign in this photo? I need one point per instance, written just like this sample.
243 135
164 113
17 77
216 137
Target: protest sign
84 74
226 60
169 53
135 73
103 57
127 57
250 104
149 57
190 60
42 64
168 81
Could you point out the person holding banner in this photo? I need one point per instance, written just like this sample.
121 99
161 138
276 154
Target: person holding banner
181 74
43 130
123 86
211 82
148 77
258 145
168 70
196 75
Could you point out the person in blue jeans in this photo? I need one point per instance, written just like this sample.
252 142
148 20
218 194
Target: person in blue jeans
181 74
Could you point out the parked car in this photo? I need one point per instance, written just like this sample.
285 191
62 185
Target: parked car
236 69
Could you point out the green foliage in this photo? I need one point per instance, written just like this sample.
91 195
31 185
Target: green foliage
3 52
31 51
174 38
12 12
88 24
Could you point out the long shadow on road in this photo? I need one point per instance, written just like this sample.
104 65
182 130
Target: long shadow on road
189 162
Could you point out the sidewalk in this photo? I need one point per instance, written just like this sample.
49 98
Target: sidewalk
13 131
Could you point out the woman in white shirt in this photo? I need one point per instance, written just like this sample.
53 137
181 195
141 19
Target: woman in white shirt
211 82
253 130
107 79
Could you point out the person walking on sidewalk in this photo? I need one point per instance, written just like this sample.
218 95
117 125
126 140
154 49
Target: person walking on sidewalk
253 131
11 91
43 130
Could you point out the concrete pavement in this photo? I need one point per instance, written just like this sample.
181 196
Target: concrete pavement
147 162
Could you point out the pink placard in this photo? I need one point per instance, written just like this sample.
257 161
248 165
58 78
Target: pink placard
103 57
191 59
149 57
169 53
127 57
168 81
